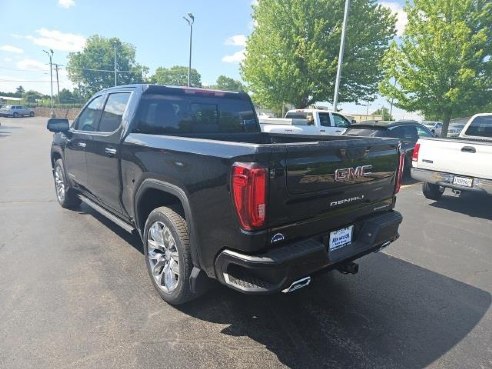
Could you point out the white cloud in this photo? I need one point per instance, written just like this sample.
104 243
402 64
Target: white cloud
401 15
57 40
7 60
236 40
32 65
11 49
237 57
66 3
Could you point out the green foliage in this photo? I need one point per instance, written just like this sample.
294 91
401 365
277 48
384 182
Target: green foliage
176 76
443 66
32 97
384 112
229 84
19 91
93 68
292 54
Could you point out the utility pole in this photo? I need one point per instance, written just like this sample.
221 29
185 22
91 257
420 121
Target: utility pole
340 55
115 74
57 81
50 54
190 19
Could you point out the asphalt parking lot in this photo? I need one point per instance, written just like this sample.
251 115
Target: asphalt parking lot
74 292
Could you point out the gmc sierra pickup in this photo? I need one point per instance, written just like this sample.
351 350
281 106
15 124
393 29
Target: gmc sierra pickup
212 196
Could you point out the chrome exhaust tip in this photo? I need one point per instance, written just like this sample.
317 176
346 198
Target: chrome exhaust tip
300 283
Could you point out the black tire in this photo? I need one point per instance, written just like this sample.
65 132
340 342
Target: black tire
15 115
170 220
432 191
66 196
31 114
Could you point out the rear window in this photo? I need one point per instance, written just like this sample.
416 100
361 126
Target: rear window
179 114
480 126
371 132
296 115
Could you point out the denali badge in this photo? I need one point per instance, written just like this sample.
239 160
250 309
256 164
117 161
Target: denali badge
349 174
347 200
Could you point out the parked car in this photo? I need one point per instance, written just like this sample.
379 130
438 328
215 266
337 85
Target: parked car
307 122
455 129
462 164
434 127
212 196
16 111
408 131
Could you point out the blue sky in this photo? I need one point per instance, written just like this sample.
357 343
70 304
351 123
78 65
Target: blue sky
155 27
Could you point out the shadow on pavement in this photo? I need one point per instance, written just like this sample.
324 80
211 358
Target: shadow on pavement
393 315
473 204
6 130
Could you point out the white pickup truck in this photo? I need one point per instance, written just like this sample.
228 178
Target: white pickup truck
307 122
462 164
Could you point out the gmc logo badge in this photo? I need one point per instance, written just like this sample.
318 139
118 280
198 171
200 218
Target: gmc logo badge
349 174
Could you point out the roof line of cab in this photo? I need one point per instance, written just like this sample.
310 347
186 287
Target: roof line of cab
154 88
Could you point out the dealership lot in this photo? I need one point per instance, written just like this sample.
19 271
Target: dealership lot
74 292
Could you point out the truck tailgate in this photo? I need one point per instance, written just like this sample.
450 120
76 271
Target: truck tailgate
464 157
327 179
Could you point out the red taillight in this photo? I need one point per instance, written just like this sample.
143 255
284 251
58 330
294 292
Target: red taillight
249 187
399 172
415 155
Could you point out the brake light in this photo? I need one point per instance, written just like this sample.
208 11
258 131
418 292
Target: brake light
399 172
415 155
249 187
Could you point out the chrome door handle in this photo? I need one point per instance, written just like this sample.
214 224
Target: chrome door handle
81 144
110 151
468 149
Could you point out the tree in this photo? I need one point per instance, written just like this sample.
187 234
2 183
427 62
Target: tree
19 91
93 68
176 76
31 96
229 84
66 97
443 65
292 54
384 112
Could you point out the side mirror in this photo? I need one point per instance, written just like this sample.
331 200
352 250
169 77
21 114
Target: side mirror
58 125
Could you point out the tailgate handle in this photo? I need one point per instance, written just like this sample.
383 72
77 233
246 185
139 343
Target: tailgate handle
468 149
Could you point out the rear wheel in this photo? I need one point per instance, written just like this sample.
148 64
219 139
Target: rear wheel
168 255
64 194
432 191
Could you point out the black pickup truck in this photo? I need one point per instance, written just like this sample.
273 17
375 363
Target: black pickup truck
211 196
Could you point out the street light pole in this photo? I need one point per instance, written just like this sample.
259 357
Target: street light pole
190 19
50 54
340 55
115 75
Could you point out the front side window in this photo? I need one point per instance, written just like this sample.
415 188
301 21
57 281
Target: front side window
340 121
113 112
88 119
422 132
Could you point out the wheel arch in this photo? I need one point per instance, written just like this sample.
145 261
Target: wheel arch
152 194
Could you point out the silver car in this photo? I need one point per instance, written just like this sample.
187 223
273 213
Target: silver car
455 129
16 111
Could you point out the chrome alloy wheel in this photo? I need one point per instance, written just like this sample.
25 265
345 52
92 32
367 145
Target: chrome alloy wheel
59 184
163 257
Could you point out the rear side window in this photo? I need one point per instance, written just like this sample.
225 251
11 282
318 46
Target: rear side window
480 126
324 119
180 114
113 111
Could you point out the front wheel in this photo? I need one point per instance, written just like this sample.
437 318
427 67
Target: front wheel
64 194
432 191
15 115
31 114
168 255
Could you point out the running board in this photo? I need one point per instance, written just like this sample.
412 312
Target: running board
107 214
